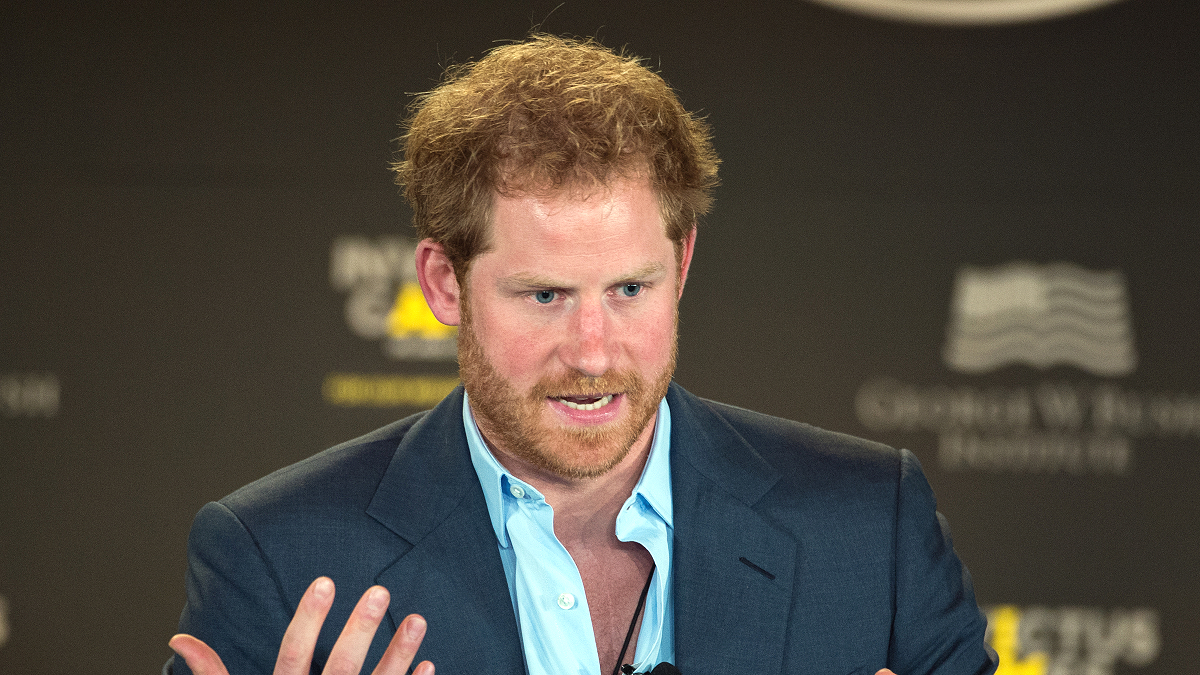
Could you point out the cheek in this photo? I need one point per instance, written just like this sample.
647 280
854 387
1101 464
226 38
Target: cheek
515 349
650 341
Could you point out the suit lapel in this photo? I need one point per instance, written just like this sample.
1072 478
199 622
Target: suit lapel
733 570
730 616
452 575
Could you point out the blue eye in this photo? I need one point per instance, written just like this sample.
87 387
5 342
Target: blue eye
630 290
544 297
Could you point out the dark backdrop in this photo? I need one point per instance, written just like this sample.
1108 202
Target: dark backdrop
201 245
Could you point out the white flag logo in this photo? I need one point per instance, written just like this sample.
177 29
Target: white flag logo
1040 315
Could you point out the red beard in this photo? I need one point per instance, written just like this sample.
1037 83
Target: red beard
521 424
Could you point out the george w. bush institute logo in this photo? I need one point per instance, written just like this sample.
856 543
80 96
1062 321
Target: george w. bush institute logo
1042 316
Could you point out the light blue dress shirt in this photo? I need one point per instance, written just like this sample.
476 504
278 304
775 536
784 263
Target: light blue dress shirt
543 581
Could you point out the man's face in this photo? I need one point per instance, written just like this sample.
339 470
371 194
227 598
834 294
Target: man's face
567 341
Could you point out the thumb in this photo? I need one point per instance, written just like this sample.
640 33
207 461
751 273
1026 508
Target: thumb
199 657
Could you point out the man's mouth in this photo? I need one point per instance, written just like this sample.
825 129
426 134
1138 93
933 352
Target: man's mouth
585 402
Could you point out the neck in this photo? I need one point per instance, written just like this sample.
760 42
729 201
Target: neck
585 509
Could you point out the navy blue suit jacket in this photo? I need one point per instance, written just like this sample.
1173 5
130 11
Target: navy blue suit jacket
797 550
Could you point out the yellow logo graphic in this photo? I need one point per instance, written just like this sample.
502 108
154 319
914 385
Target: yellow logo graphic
1005 623
384 300
1072 640
386 391
384 303
411 316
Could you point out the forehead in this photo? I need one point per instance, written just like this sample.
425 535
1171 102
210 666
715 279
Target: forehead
575 226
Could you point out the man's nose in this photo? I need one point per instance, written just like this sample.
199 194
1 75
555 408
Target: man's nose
590 348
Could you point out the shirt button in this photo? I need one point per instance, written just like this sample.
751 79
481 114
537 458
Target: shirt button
566 600
516 491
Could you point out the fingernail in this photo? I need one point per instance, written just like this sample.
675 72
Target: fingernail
323 588
414 626
377 601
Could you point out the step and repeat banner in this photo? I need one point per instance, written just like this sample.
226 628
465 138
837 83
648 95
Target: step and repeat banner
965 227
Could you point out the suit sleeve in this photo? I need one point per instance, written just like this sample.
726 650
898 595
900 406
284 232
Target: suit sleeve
937 628
234 600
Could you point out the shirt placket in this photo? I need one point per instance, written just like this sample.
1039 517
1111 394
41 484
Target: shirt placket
546 575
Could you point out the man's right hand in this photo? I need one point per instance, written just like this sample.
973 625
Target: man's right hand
350 650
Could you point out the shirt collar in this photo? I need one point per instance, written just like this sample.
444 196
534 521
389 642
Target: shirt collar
654 486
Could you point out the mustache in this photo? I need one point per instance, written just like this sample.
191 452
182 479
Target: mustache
575 384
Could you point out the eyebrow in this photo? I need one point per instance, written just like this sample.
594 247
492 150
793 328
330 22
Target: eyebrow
535 281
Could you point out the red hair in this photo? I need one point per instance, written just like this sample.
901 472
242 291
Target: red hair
544 114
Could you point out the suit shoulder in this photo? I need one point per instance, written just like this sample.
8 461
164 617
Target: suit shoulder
795 448
347 471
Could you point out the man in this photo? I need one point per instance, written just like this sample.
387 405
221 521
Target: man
572 511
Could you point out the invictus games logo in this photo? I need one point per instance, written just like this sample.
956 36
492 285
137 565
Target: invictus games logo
384 300
966 12
1041 316
1022 315
384 303
1072 640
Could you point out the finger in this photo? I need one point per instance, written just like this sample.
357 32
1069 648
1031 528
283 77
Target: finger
199 657
296 649
884 671
350 650
403 648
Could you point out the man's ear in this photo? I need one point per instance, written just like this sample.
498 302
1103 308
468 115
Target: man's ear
438 282
685 260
